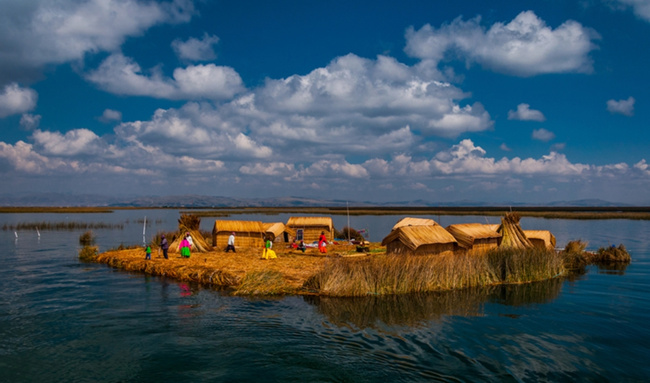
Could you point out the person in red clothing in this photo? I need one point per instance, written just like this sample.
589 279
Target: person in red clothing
322 241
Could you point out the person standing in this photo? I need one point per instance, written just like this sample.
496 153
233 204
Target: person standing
164 245
185 248
322 241
147 252
189 239
231 243
268 253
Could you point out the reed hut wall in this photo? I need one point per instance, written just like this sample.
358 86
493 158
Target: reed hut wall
278 232
312 227
475 237
542 239
247 234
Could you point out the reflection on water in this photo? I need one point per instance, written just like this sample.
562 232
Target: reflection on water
415 310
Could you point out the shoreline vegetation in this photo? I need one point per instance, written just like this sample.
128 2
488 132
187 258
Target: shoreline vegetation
344 272
569 212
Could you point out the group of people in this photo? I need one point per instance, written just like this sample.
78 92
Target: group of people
186 244
184 247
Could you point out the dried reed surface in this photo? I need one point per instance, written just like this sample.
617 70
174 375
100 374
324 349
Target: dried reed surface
384 275
243 271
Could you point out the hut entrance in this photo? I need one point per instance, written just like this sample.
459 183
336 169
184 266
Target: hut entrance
299 234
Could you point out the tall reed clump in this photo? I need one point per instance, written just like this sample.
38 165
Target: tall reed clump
574 255
87 238
383 275
263 282
401 274
88 253
525 265
613 254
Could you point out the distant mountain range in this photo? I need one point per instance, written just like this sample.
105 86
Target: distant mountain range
202 201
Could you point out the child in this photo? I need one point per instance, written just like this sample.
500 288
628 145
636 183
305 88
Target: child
147 252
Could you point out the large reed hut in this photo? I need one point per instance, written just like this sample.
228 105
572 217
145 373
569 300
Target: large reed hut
410 221
247 234
308 229
475 236
420 240
542 239
278 232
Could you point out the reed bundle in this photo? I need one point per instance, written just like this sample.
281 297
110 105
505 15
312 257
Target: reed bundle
512 236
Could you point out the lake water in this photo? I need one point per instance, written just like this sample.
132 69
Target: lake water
62 320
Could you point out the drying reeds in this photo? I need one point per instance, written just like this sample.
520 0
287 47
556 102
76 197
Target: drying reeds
512 236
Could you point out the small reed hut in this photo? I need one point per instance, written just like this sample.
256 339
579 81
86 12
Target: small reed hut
420 240
475 236
278 232
542 239
308 229
247 233
410 221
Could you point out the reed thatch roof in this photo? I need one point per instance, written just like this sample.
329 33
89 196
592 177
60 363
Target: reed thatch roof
541 235
410 221
221 226
310 222
467 233
199 243
416 236
277 228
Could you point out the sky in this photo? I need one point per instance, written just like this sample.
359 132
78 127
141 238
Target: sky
487 101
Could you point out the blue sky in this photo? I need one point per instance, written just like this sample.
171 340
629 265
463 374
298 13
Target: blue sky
500 101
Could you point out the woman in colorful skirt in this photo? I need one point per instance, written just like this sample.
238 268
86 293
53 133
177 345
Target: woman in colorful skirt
268 253
184 247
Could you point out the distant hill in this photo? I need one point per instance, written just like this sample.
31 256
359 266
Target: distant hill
202 201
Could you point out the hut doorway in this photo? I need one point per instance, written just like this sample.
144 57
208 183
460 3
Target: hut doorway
299 235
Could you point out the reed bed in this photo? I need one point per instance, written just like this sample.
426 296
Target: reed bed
62 226
383 275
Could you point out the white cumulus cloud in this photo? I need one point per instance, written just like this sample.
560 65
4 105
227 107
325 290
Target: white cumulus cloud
525 46
624 107
543 135
121 75
16 100
39 32
196 49
524 113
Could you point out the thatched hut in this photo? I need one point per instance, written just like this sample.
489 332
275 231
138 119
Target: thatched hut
309 229
543 239
475 236
247 233
278 232
420 240
410 221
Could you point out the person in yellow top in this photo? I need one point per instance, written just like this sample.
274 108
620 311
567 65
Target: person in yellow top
268 253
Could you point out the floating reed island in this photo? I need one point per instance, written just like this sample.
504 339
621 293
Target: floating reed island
417 256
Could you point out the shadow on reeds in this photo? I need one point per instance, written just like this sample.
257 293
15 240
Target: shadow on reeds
414 310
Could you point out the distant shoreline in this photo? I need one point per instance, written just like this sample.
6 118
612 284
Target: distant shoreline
550 212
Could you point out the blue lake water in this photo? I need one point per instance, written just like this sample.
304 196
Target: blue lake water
62 320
